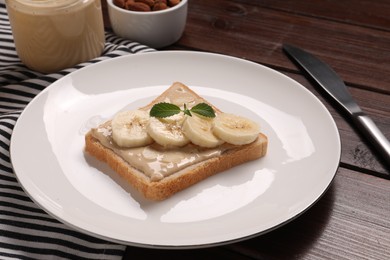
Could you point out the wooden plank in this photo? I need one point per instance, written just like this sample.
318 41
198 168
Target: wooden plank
360 55
365 13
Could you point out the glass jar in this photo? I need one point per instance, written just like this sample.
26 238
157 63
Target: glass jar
53 35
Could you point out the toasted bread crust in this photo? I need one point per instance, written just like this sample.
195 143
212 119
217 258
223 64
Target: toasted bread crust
160 190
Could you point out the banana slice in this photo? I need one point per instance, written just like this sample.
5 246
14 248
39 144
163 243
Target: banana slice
177 119
235 129
199 130
129 128
167 131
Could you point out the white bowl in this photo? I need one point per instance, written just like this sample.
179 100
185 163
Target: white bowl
155 29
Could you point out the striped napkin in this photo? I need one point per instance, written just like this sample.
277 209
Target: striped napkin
26 231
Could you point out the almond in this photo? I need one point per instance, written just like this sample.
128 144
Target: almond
148 2
137 6
173 2
119 3
159 6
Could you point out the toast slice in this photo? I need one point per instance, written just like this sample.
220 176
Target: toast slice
220 159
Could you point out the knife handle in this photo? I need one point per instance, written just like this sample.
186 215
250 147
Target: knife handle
375 136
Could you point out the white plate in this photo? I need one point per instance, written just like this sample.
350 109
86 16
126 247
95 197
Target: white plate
251 199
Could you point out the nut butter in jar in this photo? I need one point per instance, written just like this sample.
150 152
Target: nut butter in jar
51 35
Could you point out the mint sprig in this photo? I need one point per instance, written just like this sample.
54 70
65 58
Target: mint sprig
165 109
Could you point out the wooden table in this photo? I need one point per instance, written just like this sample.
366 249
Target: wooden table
352 220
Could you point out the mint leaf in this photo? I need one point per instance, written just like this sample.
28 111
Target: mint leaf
203 109
164 109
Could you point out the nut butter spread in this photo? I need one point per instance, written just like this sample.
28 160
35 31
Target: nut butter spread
154 160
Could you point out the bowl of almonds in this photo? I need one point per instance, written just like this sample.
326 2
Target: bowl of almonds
155 23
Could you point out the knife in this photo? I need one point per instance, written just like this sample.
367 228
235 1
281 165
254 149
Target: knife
326 78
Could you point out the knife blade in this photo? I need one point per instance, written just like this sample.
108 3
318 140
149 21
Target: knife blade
335 87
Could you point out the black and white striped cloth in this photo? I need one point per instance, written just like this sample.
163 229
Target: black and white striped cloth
26 231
